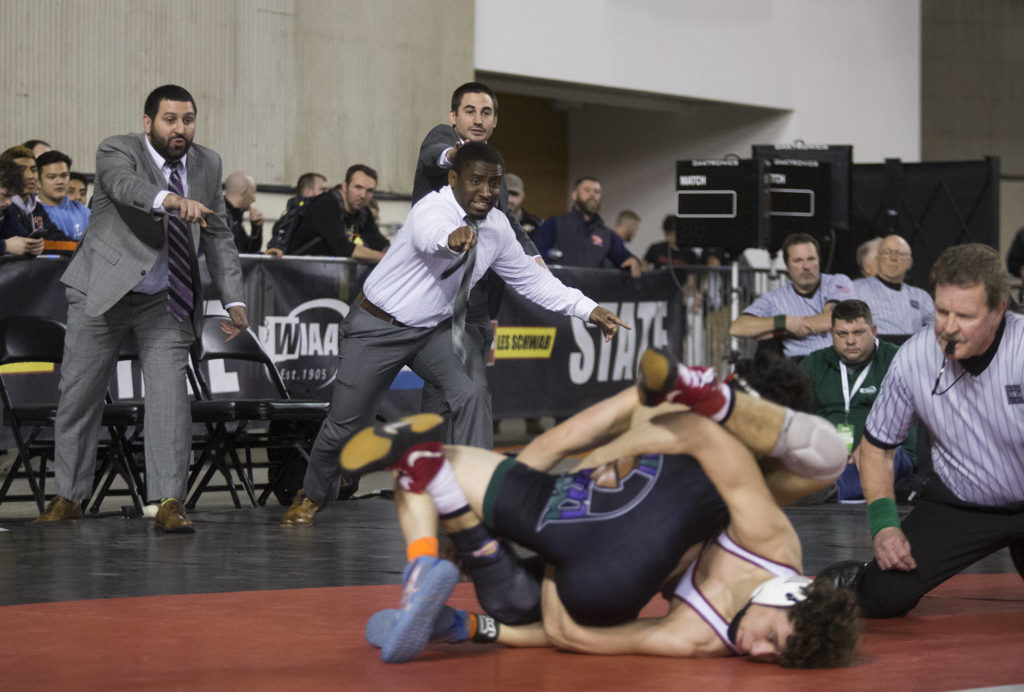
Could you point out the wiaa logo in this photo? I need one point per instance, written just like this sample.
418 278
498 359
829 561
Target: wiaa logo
304 343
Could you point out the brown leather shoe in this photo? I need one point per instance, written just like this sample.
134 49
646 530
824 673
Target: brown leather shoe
171 517
302 510
60 508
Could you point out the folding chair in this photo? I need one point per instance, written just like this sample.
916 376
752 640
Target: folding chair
25 339
280 408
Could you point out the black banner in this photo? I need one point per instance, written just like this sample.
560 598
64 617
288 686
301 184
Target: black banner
541 363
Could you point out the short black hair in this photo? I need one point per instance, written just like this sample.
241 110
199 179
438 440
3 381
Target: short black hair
668 224
472 88
81 177
308 180
850 310
585 179
167 92
472 152
776 379
798 239
359 168
51 157
33 143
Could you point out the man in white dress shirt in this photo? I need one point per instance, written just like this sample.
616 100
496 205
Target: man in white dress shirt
405 314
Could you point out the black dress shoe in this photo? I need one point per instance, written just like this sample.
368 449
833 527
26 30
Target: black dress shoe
847 573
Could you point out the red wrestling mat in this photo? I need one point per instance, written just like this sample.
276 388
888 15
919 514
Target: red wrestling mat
970 633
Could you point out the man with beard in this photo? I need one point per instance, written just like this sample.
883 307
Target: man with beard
340 224
413 308
580 238
157 203
799 313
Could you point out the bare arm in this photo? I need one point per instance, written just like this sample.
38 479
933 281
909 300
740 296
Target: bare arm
361 252
892 549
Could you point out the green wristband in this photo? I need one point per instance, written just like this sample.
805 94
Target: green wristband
882 514
779 323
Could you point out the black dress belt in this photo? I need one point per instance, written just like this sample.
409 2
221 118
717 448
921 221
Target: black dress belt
369 307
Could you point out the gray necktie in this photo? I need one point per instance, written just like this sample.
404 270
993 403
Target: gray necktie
462 297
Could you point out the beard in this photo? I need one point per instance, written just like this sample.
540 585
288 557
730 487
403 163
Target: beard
590 206
164 147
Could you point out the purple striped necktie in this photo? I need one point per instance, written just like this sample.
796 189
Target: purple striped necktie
179 265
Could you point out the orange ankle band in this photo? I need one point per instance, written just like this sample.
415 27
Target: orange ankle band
422 546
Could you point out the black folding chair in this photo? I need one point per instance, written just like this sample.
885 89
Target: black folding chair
298 416
28 339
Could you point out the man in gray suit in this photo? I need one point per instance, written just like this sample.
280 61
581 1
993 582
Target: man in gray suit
157 199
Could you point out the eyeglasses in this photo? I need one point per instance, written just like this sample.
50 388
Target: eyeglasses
901 254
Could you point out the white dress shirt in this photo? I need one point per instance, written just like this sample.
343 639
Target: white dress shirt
407 282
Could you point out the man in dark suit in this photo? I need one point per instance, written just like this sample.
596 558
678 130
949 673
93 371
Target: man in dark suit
157 200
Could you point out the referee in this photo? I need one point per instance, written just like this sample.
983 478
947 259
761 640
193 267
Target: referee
967 386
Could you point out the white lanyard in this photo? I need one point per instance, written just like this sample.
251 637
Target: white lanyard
847 392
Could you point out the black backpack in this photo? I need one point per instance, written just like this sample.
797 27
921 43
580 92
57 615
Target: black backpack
284 228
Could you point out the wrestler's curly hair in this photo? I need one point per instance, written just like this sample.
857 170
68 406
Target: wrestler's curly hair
777 379
826 626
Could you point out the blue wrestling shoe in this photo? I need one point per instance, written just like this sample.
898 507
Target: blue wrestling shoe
429 581
450 626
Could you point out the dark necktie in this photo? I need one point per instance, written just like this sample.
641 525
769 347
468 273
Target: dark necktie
179 261
462 297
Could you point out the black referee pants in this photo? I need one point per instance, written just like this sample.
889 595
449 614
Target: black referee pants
946 536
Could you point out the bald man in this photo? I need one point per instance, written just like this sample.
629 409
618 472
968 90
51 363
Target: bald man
897 308
239 194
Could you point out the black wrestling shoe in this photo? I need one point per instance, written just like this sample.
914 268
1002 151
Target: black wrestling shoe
847 573
656 375
385 445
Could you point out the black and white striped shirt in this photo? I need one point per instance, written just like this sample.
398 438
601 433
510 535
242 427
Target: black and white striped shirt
896 311
977 426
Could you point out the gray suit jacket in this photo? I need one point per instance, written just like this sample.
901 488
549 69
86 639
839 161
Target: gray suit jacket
124 235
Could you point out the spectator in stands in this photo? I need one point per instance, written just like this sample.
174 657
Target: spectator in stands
516 196
11 178
54 173
658 254
1015 259
846 378
579 238
340 224
239 194
25 215
898 308
310 185
37 147
627 223
78 188
798 313
867 257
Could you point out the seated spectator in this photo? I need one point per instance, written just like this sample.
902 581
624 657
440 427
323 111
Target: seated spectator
898 309
339 223
658 254
867 257
239 194
68 215
25 216
37 147
516 196
627 223
310 185
797 313
78 188
1015 258
846 378
11 179
579 238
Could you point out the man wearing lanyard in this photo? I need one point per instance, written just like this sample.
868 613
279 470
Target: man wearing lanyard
846 378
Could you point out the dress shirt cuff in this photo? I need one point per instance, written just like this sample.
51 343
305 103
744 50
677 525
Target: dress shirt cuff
442 160
231 305
584 306
158 201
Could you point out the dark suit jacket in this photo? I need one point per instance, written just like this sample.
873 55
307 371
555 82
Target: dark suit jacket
124 235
